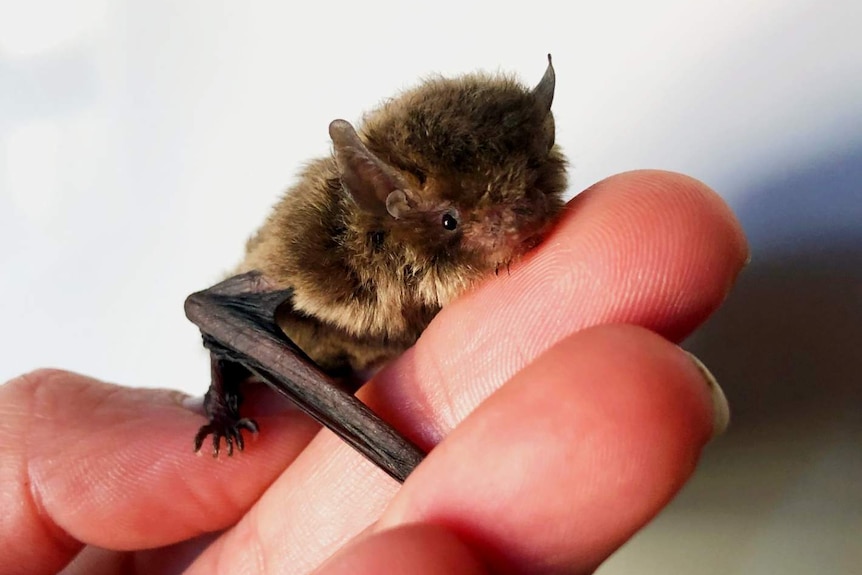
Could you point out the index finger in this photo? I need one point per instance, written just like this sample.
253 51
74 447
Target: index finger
649 248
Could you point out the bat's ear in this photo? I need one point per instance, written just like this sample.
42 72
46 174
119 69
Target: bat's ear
371 183
544 90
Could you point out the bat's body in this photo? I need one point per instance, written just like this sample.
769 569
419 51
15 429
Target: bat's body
437 189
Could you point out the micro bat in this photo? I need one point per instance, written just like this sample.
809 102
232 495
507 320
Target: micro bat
434 190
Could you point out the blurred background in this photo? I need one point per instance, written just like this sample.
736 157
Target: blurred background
141 142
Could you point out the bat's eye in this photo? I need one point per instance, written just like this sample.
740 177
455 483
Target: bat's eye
449 222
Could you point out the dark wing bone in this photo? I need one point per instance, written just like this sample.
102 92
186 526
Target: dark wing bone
237 320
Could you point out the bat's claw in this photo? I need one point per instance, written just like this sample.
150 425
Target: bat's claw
228 429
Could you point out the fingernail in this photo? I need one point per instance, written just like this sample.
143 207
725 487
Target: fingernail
720 407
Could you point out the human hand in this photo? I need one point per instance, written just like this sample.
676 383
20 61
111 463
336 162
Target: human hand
556 435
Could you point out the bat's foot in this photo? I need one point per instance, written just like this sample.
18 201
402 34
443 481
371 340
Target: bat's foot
227 428
221 403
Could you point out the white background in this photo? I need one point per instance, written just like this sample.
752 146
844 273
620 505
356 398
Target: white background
141 143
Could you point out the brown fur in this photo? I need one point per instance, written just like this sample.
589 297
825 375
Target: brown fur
366 283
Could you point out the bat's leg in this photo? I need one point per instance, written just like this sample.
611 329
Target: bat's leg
221 403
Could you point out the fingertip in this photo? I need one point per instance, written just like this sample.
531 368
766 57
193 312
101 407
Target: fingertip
682 198
665 248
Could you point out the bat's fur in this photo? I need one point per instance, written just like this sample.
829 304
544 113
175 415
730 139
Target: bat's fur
370 268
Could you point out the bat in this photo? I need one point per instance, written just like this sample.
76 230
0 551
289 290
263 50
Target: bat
435 189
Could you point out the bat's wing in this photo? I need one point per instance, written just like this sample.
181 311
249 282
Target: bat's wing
237 320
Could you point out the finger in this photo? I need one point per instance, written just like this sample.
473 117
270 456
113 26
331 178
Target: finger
654 249
650 248
411 549
569 459
87 462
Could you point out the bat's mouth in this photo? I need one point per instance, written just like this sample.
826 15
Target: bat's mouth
499 237
505 253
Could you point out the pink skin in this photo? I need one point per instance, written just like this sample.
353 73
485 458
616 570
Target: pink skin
586 432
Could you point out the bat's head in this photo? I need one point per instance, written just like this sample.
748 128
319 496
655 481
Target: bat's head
461 176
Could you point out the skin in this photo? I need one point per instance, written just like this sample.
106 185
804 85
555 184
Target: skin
559 432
